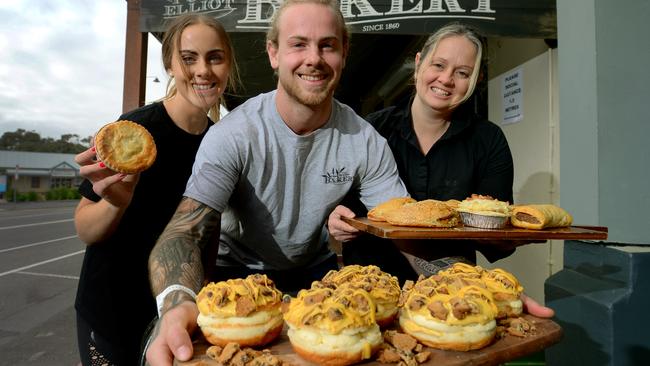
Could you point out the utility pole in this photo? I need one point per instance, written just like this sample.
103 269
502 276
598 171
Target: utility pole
16 176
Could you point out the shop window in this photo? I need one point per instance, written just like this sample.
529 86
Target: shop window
36 182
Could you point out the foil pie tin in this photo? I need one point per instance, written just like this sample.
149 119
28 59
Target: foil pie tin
484 221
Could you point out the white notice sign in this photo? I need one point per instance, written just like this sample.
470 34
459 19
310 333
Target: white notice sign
513 89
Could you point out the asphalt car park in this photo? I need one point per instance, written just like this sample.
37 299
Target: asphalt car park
40 260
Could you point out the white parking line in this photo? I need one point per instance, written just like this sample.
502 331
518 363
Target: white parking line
49 275
37 243
29 216
40 263
35 224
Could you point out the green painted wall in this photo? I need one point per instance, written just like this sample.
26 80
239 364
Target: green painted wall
604 89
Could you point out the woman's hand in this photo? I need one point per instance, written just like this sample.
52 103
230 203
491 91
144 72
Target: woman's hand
116 188
338 229
532 307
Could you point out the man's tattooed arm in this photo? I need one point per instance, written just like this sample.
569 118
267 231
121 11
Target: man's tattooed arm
176 257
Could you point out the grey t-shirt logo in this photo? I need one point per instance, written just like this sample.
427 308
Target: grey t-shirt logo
337 176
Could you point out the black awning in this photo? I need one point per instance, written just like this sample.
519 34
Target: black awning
496 18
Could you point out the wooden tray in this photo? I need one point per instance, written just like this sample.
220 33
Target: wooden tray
386 230
502 350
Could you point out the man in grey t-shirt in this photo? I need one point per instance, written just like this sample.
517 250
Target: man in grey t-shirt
266 177
275 187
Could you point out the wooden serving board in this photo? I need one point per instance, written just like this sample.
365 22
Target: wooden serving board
502 350
386 230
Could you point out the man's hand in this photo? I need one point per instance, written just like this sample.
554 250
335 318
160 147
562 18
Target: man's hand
172 335
532 307
176 259
339 229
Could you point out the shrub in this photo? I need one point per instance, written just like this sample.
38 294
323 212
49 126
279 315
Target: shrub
50 195
27 196
22 196
73 193
32 196
62 193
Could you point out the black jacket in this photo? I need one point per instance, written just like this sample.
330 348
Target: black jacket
471 157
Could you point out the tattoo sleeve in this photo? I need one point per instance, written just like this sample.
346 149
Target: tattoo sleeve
177 256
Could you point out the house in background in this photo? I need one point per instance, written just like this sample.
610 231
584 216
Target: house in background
37 172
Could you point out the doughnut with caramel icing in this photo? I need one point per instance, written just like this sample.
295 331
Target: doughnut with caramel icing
246 311
333 326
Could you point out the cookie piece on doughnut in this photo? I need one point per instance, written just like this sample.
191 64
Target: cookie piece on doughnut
246 311
382 287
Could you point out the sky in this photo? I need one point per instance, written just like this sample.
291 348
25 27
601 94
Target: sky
62 65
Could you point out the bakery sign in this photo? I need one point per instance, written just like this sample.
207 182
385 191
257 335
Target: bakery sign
531 18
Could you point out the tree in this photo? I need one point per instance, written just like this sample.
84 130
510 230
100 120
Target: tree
71 138
22 140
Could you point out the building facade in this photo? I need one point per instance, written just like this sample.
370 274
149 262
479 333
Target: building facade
37 172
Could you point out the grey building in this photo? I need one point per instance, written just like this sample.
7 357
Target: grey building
37 172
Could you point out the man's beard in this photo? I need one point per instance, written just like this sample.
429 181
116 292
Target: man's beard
308 98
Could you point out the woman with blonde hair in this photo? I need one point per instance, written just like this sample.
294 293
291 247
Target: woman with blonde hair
120 216
444 151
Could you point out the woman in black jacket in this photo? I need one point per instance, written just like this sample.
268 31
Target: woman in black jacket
443 151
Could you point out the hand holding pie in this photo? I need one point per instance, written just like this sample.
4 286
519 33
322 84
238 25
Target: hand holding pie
116 189
125 147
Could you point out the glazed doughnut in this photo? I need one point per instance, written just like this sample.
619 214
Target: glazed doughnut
506 291
463 270
382 287
448 314
503 285
246 311
333 327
